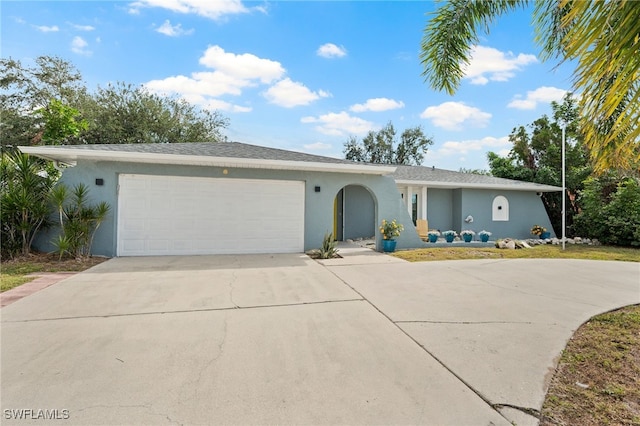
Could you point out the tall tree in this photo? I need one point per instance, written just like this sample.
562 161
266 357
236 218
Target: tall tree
25 90
382 147
122 113
49 103
602 37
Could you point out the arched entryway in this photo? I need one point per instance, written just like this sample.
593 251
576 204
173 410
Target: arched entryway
354 213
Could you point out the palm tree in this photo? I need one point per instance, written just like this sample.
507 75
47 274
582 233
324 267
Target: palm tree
602 36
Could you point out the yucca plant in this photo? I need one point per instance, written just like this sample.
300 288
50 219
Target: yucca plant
78 220
328 249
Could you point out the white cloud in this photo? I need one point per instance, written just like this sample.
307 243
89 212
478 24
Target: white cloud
172 30
231 74
217 104
83 27
215 9
79 46
489 64
330 50
377 105
19 20
288 94
339 124
474 146
318 146
452 116
542 94
244 66
200 84
47 29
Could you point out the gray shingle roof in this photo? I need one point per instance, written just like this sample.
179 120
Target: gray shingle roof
215 149
450 178
240 151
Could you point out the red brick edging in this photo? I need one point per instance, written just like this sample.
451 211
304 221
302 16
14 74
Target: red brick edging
44 280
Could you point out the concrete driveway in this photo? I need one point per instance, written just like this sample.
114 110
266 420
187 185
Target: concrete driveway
259 339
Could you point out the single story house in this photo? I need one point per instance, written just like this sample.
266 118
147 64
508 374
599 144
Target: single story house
230 197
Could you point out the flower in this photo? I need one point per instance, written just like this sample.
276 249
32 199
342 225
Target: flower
389 230
434 232
467 232
483 232
449 233
538 230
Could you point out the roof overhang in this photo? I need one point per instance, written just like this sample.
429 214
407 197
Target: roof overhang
520 186
70 156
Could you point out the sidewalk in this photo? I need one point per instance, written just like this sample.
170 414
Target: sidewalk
358 254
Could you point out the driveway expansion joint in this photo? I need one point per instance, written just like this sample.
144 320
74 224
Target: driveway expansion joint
530 411
462 322
424 348
229 308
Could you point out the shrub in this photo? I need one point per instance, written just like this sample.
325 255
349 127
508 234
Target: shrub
24 191
610 211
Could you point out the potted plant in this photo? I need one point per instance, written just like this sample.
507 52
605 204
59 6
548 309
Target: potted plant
467 235
540 232
484 235
433 235
389 231
449 235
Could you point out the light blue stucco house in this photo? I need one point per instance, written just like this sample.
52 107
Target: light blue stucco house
229 197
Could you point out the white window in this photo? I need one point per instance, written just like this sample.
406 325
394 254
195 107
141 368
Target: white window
500 208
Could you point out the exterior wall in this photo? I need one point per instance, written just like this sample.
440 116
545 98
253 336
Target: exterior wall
447 209
525 210
319 211
456 219
359 213
440 208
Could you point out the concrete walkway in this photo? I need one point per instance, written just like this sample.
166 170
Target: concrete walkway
284 339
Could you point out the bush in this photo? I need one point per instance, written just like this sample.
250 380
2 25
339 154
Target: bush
610 211
25 185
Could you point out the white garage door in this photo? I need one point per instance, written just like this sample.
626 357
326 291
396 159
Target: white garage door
169 215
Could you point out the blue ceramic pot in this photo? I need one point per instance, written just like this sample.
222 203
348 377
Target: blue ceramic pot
388 246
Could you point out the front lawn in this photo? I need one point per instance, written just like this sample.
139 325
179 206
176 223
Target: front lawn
597 381
546 251
16 272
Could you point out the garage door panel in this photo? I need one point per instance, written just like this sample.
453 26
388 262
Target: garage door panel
163 215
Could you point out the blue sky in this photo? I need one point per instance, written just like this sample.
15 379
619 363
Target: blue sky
299 75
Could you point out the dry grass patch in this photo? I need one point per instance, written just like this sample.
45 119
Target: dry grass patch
597 381
547 251
16 272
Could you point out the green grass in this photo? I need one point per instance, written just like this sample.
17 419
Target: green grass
603 357
15 272
547 251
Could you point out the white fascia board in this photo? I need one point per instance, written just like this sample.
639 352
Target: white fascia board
71 156
524 186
